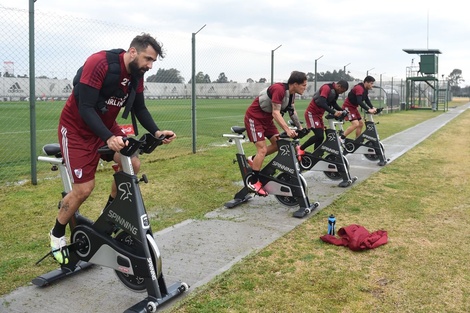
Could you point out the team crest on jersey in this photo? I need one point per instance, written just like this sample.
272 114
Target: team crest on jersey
78 172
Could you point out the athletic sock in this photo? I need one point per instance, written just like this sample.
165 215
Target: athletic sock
58 230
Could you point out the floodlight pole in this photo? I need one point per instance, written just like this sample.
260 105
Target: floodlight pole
380 90
344 70
193 87
367 73
32 95
315 82
272 64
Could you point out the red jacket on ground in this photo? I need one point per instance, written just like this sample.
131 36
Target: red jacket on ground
357 238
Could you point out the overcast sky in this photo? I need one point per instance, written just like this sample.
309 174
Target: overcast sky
361 35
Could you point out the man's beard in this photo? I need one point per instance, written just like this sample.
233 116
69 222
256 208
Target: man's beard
136 71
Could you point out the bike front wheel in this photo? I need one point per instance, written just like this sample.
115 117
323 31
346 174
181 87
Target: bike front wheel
376 156
290 200
135 282
335 175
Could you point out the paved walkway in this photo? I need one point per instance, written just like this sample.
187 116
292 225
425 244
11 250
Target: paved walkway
195 251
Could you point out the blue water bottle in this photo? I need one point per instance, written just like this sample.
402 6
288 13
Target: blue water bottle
331 225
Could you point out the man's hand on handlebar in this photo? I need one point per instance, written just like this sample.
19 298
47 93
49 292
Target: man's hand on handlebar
116 143
338 113
169 135
372 110
291 133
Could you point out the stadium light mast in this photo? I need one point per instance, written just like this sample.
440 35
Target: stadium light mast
193 87
315 82
272 64
367 73
344 70
380 90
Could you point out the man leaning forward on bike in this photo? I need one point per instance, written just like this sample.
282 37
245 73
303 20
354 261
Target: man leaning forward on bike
88 121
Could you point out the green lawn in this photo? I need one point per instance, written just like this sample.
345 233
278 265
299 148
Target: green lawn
213 118
172 196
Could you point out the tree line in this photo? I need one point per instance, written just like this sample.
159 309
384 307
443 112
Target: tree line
172 75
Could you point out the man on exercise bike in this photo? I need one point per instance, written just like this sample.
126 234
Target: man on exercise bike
88 121
323 100
271 103
358 96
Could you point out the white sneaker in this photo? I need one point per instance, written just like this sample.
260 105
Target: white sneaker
59 249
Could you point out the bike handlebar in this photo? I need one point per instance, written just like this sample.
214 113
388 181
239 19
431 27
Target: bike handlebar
378 110
340 118
146 144
300 134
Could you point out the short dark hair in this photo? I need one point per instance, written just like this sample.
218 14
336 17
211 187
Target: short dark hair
142 41
343 84
297 77
369 79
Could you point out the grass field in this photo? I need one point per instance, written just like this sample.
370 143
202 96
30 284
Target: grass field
174 194
421 199
213 118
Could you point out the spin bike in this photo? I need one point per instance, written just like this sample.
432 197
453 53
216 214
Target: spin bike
281 177
334 165
368 143
121 238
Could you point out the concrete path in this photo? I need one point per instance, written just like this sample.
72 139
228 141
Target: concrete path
195 251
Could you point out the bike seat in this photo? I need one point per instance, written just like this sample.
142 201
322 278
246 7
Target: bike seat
52 149
238 129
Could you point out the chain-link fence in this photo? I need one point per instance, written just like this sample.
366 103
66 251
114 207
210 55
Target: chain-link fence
62 44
